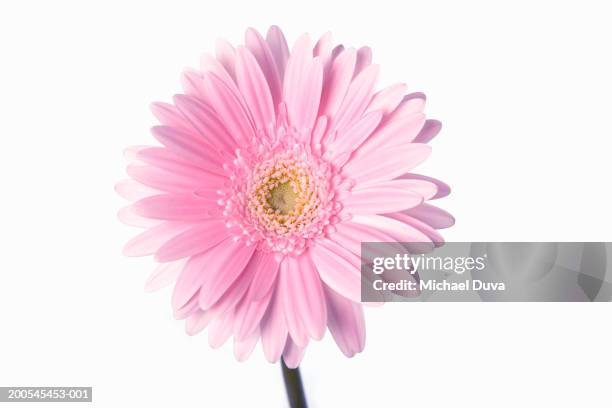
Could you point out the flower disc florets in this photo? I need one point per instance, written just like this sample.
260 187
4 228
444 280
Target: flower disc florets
282 194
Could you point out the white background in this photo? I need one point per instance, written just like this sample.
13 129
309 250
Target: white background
523 90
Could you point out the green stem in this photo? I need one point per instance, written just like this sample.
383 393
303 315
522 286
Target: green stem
293 386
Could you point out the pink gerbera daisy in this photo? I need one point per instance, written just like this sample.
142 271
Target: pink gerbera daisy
273 167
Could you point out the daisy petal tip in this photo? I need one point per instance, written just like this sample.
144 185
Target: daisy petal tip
251 32
416 95
451 221
155 107
274 29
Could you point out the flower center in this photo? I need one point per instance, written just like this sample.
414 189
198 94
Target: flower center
282 198
282 194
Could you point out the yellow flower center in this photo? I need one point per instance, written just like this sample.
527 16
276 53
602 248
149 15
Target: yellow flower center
283 195
282 198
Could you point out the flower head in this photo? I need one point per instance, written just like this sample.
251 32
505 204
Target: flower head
273 167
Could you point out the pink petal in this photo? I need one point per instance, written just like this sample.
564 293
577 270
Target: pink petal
350 236
236 292
193 241
211 65
205 121
127 216
274 329
249 314
219 277
442 189
265 268
423 188
170 116
357 98
149 241
430 129
130 153
197 322
168 182
337 82
229 109
310 91
396 131
187 146
350 139
398 230
168 160
387 99
318 133
262 53
364 59
190 279
303 296
197 267
298 66
386 164
187 309
243 348
164 275
411 103
338 49
220 330
191 80
226 55
432 215
132 190
346 323
338 268
293 354
433 235
175 207
254 87
294 324
323 47
381 198
279 49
